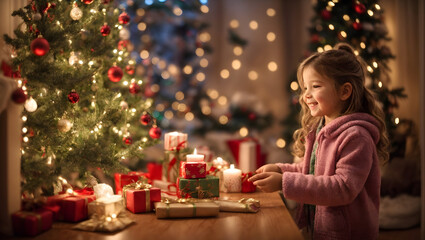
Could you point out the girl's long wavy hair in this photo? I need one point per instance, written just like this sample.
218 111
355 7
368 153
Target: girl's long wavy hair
342 66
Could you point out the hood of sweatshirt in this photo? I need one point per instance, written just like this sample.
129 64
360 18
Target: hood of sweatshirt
340 124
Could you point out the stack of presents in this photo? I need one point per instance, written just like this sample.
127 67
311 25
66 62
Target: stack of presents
171 190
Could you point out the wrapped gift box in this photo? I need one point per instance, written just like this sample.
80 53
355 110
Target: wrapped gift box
32 223
106 206
74 208
247 186
186 210
247 154
190 170
122 179
198 188
142 200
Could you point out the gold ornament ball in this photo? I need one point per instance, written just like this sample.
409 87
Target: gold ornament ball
64 125
76 13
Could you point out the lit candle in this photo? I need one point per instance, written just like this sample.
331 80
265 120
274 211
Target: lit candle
232 179
173 140
194 157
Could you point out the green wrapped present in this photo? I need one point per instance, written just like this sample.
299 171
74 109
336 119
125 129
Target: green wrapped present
198 188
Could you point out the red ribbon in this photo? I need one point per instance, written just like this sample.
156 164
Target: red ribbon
174 160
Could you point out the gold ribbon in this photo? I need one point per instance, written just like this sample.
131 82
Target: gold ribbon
250 204
139 185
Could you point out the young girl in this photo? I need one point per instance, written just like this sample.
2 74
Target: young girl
342 141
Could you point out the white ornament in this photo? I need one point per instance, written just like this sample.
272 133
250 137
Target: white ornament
124 34
64 125
103 190
76 13
73 58
124 105
36 17
30 105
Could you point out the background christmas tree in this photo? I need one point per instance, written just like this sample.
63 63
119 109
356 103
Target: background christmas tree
361 24
170 42
80 114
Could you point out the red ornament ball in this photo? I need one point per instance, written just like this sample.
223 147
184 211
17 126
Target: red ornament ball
252 116
73 97
19 96
127 140
145 119
124 18
134 88
115 74
105 30
357 26
87 1
155 132
326 15
360 8
130 69
122 44
40 46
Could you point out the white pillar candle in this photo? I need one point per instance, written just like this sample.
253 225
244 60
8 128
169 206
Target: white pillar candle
232 179
194 157
175 139
248 156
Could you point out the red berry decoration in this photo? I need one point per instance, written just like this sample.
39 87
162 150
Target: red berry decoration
115 74
87 1
360 8
134 88
155 132
326 15
19 96
105 30
124 18
122 44
145 119
357 26
127 140
40 46
130 69
73 97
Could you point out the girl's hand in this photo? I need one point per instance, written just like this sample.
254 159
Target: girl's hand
269 168
267 181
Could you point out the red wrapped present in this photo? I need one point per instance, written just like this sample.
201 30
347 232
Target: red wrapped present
142 200
247 186
247 154
122 179
155 171
55 209
31 223
74 209
190 170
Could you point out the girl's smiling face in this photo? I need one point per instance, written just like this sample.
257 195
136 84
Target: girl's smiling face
321 96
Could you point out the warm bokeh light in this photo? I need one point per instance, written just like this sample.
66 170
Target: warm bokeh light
199 52
280 143
224 73
204 37
253 75
179 95
328 47
294 86
213 93
271 36
272 66
204 9
187 69
237 50
222 100
270 12
236 64
189 116
203 62
200 76
141 26
168 114
253 25
177 11
144 54
243 132
223 119
234 23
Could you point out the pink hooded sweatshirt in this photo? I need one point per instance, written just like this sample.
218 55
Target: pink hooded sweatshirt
346 184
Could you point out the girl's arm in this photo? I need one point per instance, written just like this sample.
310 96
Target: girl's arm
291 167
357 152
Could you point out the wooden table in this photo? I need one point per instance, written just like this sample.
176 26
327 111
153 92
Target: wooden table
273 221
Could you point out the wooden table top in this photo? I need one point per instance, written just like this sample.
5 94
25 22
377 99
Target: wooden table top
272 221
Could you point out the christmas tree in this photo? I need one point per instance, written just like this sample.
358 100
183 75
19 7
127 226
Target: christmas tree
359 23
82 114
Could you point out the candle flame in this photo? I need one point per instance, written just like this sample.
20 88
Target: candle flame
194 151
232 166
220 160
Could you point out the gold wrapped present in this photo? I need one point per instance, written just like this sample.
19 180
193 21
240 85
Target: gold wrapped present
186 208
106 206
248 205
